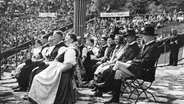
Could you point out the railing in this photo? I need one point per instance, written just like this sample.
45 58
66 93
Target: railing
28 44
163 43
165 50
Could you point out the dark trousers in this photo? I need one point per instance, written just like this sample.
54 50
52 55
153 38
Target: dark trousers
108 80
24 77
90 68
34 72
173 59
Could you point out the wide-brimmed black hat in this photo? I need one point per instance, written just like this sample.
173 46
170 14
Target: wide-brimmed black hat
149 30
130 33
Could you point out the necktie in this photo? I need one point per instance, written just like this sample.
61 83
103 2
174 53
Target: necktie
143 48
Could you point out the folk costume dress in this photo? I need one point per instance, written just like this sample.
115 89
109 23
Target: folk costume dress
52 85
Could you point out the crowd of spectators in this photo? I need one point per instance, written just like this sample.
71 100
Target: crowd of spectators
28 27
36 6
25 24
108 26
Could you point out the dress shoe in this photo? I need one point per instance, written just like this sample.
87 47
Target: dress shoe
112 100
15 87
168 64
110 92
98 94
91 84
19 89
94 89
84 85
32 101
25 97
99 85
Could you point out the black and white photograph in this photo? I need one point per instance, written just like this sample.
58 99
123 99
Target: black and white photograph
91 51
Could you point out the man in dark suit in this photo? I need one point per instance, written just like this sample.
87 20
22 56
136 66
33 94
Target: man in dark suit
132 48
174 46
145 61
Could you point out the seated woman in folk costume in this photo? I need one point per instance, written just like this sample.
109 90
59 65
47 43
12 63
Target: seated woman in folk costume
38 58
55 41
36 50
36 53
80 71
92 52
102 48
108 52
106 58
24 69
101 57
54 84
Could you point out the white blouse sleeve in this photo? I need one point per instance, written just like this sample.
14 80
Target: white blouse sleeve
95 51
70 56
84 52
61 50
44 51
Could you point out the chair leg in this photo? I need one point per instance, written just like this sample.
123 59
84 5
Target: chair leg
152 96
134 89
122 88
137 87
130 85
138 96
125 86
145 91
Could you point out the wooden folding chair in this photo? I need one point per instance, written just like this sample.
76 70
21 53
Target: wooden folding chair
140 85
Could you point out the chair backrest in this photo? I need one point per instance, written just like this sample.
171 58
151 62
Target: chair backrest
149 74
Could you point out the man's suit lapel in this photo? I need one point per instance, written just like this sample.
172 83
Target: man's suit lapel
127 49
144 52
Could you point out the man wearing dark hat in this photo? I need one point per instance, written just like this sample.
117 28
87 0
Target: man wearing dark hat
145 61
132 48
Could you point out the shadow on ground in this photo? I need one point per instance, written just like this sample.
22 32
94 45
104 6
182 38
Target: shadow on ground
6 97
